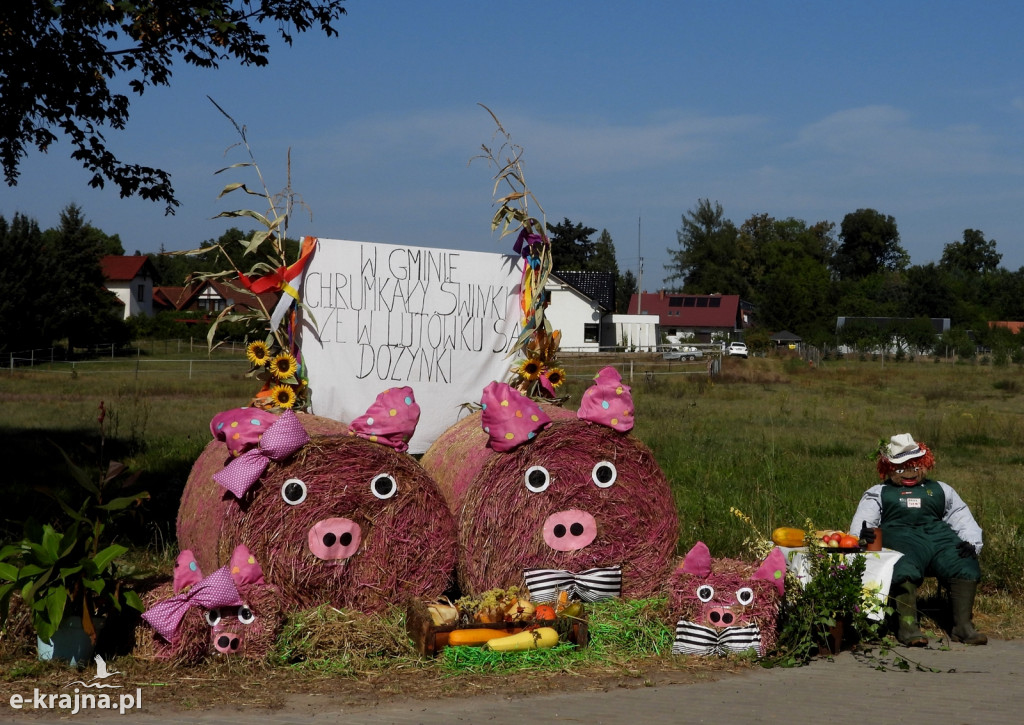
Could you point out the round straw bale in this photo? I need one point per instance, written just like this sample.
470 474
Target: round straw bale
398 546
501 522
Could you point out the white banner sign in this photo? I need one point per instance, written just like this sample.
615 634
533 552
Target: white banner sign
440 321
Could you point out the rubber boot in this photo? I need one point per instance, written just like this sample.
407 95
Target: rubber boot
909 633
961 595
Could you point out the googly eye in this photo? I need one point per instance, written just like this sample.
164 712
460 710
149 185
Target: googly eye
384 485
245 615
537 479
293 492
604 474
745 596
212 617
705 592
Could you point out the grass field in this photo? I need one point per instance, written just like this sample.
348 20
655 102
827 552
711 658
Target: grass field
780 440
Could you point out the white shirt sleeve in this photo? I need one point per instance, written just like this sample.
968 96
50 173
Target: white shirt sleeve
960 519
869 510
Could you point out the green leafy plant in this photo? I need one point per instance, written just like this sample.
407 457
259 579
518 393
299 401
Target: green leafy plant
70 567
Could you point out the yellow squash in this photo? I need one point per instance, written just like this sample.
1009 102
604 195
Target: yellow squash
786 536
540 638
474 637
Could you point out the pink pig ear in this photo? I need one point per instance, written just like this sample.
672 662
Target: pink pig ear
773 570
509 418
245 570
608 402
697 561
390 420
186 571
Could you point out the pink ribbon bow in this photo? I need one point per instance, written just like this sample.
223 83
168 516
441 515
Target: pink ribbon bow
281 439
216 590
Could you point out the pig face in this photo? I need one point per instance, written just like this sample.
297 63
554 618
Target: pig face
248 630
577 497
232 612
349 522
724 605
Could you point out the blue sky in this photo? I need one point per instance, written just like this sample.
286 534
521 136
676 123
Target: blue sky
628 114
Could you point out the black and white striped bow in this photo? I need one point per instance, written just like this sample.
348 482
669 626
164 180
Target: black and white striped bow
591 585
695 639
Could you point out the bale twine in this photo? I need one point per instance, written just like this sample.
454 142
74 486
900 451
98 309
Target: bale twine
407 545
500 522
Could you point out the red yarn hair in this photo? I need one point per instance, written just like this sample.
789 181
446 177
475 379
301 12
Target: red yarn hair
886 467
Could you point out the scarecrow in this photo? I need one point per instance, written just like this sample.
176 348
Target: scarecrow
928 522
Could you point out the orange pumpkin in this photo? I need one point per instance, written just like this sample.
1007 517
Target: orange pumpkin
544 613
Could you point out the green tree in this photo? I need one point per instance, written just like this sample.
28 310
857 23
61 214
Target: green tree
603 258
100 47
973 256
789 276
26 286
83 311
869 243
708 259
625 288
572 248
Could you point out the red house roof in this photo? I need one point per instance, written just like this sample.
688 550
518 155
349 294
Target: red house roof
125 269
705 311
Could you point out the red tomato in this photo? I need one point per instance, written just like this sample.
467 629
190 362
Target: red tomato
849 542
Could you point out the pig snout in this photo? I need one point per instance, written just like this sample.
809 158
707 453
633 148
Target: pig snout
723 617
227 643
333 539
569 530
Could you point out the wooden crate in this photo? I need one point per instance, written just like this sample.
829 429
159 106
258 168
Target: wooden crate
429 639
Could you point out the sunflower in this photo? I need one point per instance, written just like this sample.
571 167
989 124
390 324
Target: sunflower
257 353
556 376
530 369
284 366
283 396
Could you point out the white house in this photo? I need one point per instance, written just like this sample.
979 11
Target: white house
575 314
131 279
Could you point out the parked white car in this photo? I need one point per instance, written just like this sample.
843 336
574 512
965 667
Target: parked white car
738 349
683 353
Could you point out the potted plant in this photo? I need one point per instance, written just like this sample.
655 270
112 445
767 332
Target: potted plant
831 608
67 573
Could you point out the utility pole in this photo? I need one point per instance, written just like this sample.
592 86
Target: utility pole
640 271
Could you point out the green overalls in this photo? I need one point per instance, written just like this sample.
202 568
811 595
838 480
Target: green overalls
912 524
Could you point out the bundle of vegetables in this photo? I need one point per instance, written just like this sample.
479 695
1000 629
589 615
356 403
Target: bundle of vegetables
502 620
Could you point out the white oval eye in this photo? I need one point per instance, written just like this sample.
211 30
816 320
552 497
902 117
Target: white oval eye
245 615
293 491
384 485
212 616
745 596
705 592
537 479
604 474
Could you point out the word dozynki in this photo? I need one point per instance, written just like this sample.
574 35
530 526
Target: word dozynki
78 701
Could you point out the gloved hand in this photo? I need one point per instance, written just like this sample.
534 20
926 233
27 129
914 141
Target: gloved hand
966 550
867 535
